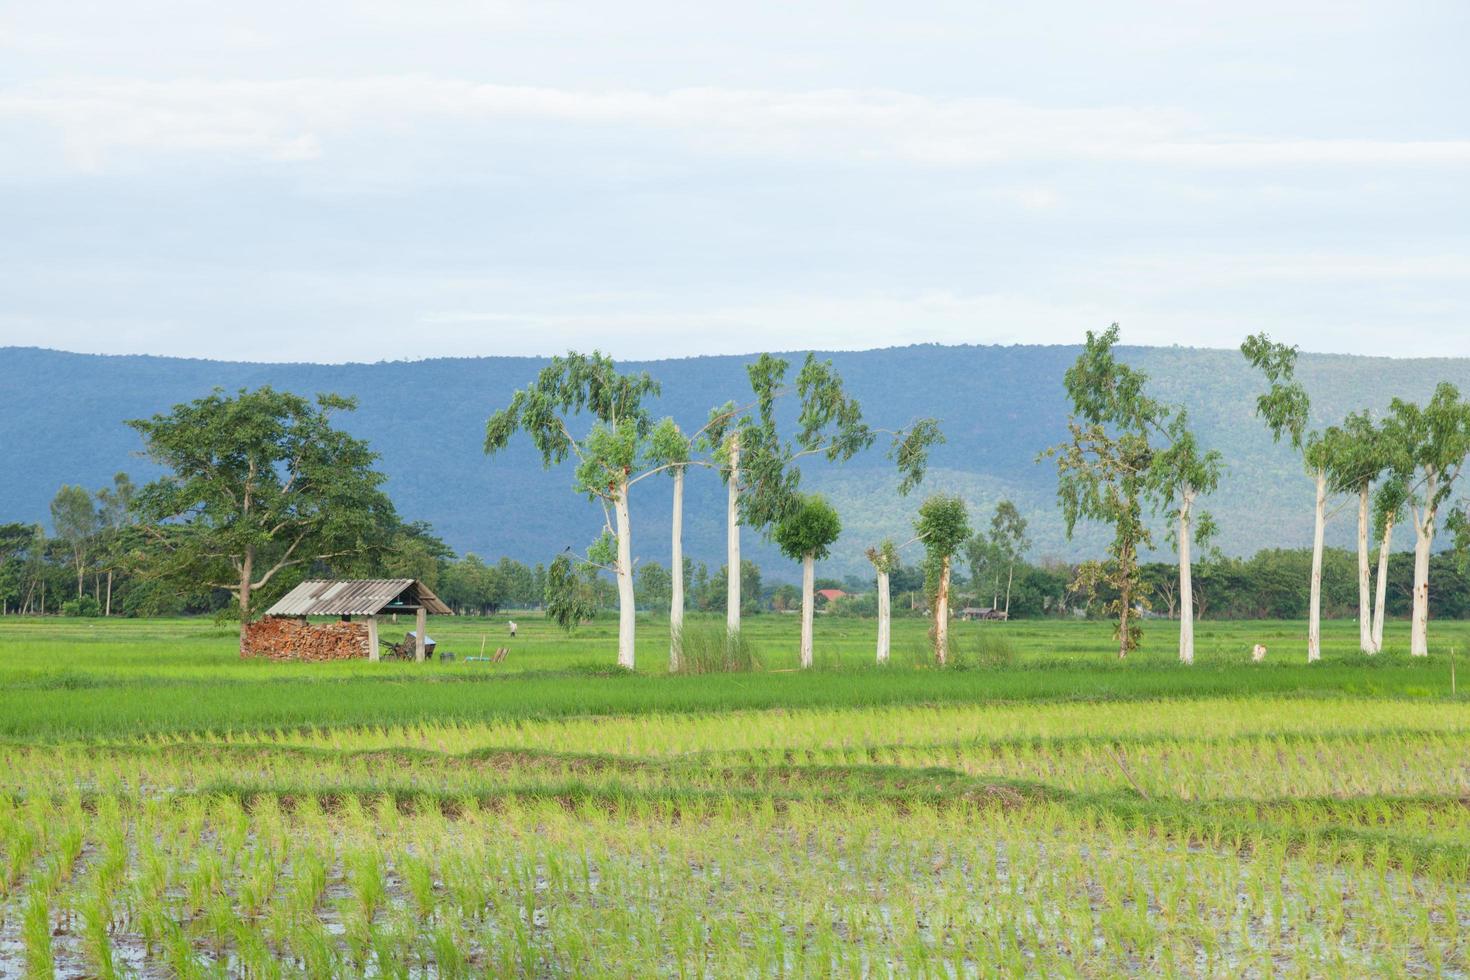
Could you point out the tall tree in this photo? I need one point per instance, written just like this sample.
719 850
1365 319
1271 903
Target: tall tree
806 534
1179 474
75 521
1008 533
1437 441
606 455
259 483
761 469
884 559
114 516
943 525
1107 469
672 451
1286 409
1360 455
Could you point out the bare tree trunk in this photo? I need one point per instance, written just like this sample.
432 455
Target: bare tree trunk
247 568
627 611
732 542
1380 599
941 616
1365 577
1314 613
808 600
1010 576
885 618
1186 580
1423 543
676 602
1126 602
108 610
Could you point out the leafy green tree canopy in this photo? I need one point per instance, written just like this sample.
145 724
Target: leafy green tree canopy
809 528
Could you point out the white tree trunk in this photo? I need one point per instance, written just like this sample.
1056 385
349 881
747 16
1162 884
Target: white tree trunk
1380 599
1365 577
1010 576
732 542
1186 580
941 616
1423 544
676 602
1419 628
808 600
108 610
1314 614
627 611
885 618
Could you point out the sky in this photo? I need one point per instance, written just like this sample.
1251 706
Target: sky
382 180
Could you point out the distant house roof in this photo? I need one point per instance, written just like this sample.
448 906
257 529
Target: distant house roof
831 594
358 597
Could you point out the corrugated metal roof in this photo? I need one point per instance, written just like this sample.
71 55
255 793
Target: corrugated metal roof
355 597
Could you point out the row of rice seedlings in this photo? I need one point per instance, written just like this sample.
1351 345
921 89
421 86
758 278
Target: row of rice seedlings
657 734
730 886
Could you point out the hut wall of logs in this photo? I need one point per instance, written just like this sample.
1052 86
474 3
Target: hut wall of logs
279 638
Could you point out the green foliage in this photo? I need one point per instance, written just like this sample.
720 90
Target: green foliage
808 529
83 606
570 598
260 484
655 587
884 558
1284 405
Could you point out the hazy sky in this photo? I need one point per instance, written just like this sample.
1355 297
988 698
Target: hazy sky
377 180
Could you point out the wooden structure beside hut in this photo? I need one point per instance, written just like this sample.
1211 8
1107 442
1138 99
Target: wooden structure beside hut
368 598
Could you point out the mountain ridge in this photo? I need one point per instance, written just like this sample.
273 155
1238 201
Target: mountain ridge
61 417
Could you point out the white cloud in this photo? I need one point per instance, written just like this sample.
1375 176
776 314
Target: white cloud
297 119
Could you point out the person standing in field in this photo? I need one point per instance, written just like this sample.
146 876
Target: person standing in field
512 624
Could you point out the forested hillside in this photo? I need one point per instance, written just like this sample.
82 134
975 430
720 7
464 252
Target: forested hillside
61 421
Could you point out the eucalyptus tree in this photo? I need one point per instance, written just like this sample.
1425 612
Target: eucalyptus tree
1008 534
1360 453
259 484
1126 449
75 521
884 558
672 451
761 468
1179 473
114 516
1389 502
806 534
1436 441
943 525
1286 408
606 455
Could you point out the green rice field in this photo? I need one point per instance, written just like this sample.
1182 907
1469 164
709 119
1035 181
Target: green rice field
168 810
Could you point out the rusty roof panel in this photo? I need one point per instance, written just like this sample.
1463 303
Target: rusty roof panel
355 597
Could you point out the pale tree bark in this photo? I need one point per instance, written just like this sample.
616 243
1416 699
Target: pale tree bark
627 611
108 610
1314 614
808 601
732 542
676 602
246 567
1380 598
885 618
1365 577
941 616
1010 575
1423 543
1186 578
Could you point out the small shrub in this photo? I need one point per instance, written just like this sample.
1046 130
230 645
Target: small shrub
84 606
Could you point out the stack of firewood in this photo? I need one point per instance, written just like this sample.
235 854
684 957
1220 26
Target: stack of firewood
293 639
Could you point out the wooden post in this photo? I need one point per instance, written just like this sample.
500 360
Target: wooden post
420 625
372 638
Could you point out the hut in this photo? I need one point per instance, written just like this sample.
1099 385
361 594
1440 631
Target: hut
366 598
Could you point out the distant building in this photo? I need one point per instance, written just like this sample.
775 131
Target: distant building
973 613
831 595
